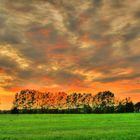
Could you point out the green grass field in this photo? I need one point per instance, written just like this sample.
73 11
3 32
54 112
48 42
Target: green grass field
70 126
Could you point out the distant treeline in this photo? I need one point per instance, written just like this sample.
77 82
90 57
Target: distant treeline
32 101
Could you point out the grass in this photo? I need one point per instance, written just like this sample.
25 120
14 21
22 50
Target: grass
70 127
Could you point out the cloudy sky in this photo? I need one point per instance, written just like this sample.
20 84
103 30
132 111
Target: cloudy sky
70 45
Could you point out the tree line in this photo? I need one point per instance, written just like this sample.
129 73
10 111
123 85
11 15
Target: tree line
32 101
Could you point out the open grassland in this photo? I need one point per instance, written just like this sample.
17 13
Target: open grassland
70 127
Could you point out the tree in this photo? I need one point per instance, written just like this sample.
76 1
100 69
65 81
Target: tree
87 109
72 100
137 107
31 101
129 106
120 107
125 105
104 102
105 98
15 102
14 110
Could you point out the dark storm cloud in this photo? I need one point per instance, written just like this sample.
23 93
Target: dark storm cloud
117 78
98 58
25 74
97 3
65 77
137 14
132 33
7 34
20 6
10 37
134 59
35 28
117 3
7 63
37 55
2 20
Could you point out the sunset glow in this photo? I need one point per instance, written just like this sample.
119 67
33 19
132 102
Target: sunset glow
82 46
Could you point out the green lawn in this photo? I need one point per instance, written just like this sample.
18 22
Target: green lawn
70 126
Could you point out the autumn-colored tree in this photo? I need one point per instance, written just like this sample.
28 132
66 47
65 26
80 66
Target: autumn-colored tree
102 102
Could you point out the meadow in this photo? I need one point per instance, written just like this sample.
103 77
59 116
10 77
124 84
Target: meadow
70 126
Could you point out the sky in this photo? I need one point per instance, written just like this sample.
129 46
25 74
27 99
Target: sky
69 45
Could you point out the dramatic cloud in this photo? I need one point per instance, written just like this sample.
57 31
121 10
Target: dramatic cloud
81 45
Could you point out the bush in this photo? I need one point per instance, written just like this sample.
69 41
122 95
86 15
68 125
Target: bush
14 110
